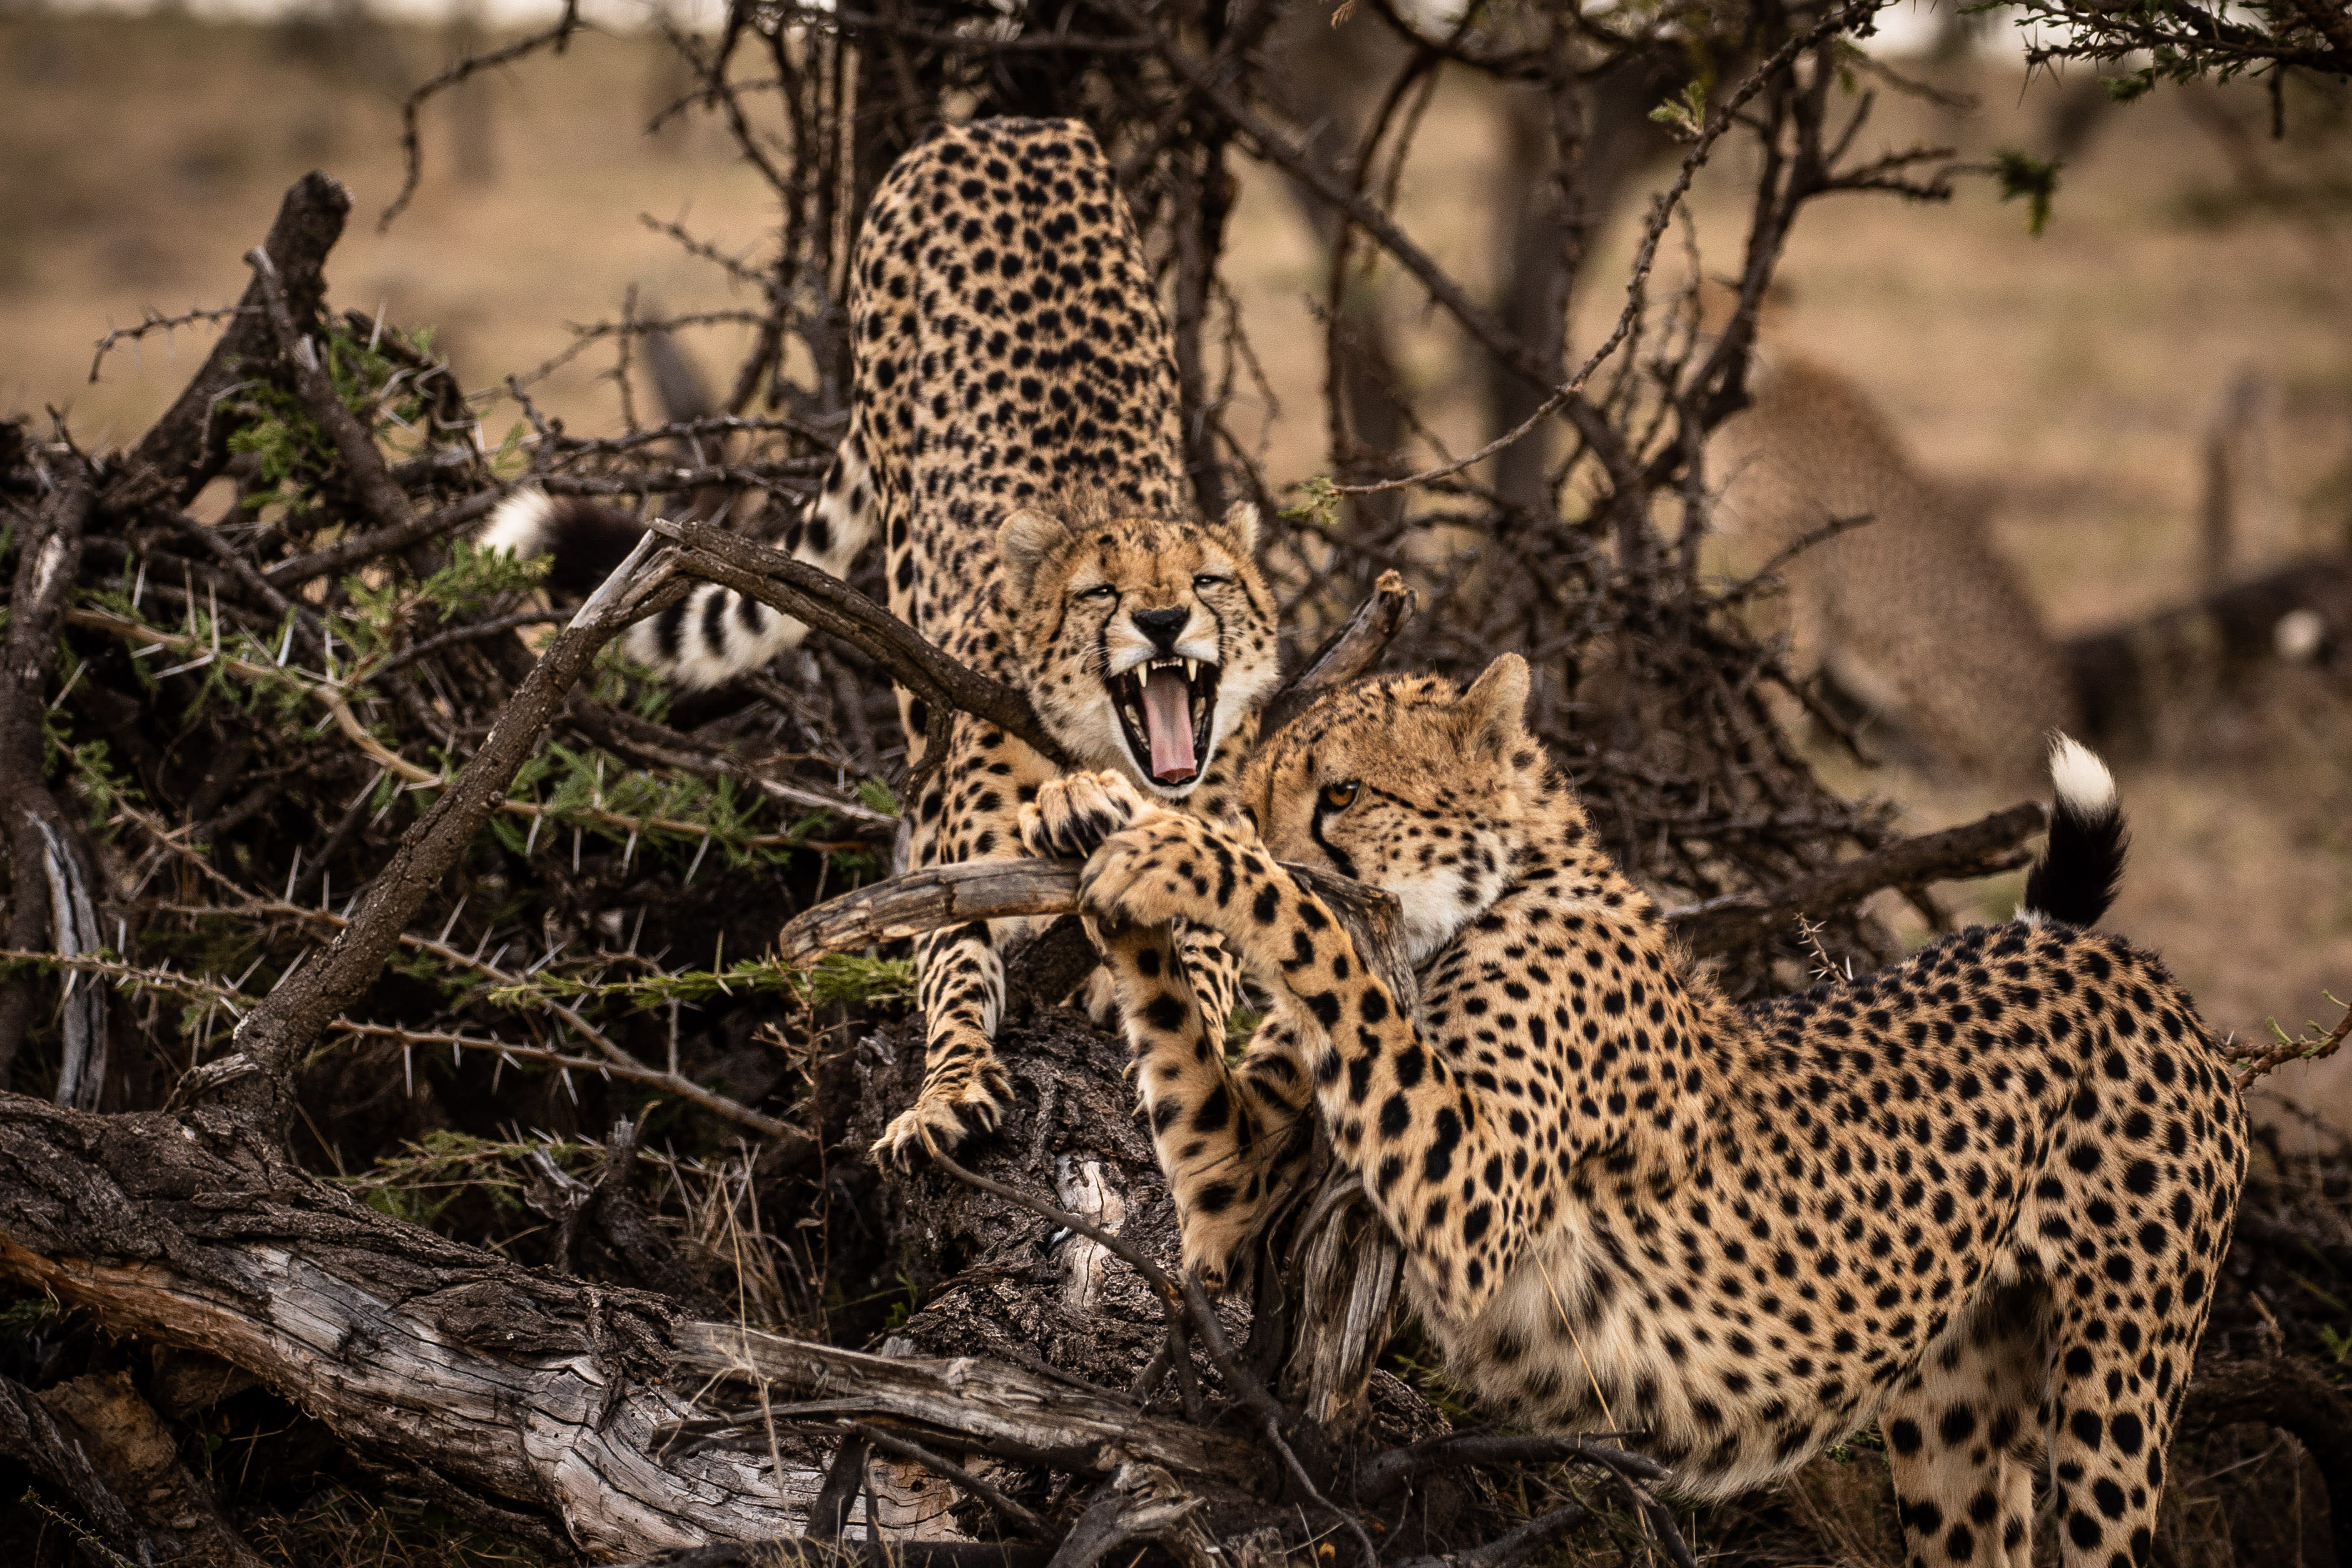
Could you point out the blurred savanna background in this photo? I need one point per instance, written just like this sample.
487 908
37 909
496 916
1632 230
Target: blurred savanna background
2174 342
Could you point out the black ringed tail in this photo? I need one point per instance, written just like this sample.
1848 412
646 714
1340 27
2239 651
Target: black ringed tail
714 634
2082 865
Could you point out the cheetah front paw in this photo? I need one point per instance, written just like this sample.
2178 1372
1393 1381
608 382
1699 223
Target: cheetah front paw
1171 867
942 1116
1073 814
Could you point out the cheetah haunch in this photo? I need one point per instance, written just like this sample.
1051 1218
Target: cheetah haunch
1015 437
1979 1196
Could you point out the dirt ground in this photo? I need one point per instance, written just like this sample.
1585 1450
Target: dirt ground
2073 373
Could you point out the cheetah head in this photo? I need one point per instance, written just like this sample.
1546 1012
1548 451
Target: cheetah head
1146 643
1405 781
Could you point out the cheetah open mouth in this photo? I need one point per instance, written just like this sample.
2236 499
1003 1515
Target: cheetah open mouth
1166 706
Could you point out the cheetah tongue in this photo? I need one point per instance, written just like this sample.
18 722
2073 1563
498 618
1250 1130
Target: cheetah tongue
1168 719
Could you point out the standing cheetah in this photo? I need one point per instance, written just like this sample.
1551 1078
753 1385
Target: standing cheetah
1979 1196
1014 438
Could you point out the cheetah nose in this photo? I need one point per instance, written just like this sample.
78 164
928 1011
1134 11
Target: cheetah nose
1163 625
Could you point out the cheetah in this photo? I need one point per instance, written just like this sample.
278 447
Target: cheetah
1979 1196
1015 437
1912 615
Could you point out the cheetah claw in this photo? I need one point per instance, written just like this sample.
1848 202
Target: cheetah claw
942 1119
1072 816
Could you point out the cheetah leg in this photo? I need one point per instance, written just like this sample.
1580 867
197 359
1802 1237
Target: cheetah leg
1399 1114
1214 973
2115 1381
1229 1140
1069 819
965 1087
1961 1436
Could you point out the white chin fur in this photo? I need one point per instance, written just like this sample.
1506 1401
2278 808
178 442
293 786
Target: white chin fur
2083 780
517 524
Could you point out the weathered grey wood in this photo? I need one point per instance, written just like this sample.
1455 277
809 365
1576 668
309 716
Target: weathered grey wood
904 905
988 1407
561 1413
898 908
1350 1275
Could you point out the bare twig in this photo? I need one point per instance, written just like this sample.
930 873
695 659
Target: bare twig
167 325
411 146
1980 848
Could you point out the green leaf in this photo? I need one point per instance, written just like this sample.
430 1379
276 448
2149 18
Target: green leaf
1688 113
2022 176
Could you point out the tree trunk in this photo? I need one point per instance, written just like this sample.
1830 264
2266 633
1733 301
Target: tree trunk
553 1410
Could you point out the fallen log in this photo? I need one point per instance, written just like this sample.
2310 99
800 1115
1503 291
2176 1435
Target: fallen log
571 1415
898 908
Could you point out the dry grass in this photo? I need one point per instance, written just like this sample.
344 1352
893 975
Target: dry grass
2073 375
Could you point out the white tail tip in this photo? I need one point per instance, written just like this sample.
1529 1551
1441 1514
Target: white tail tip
2083 780
520 523
2298 634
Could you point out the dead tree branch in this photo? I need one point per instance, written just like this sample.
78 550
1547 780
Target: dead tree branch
49 881
1981 848
186 446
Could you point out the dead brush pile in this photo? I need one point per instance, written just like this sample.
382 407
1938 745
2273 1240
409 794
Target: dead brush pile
295 778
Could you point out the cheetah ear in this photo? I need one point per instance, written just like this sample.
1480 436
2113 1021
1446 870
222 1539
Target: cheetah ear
1493 710
1240 523
1025 540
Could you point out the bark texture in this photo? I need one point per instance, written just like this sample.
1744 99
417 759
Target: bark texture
552 1409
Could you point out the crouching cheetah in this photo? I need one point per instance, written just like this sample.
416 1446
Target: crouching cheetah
1014 438
1979 1196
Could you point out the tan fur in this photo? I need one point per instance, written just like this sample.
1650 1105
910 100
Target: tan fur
1979 1196
1911 614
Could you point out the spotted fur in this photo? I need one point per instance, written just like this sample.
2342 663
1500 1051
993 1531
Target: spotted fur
1014 439
1979 1196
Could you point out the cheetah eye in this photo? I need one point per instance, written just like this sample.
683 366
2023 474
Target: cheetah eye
1101 591
1340 796
1208 579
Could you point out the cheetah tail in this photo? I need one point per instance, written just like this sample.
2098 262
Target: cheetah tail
2083 863
586 539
